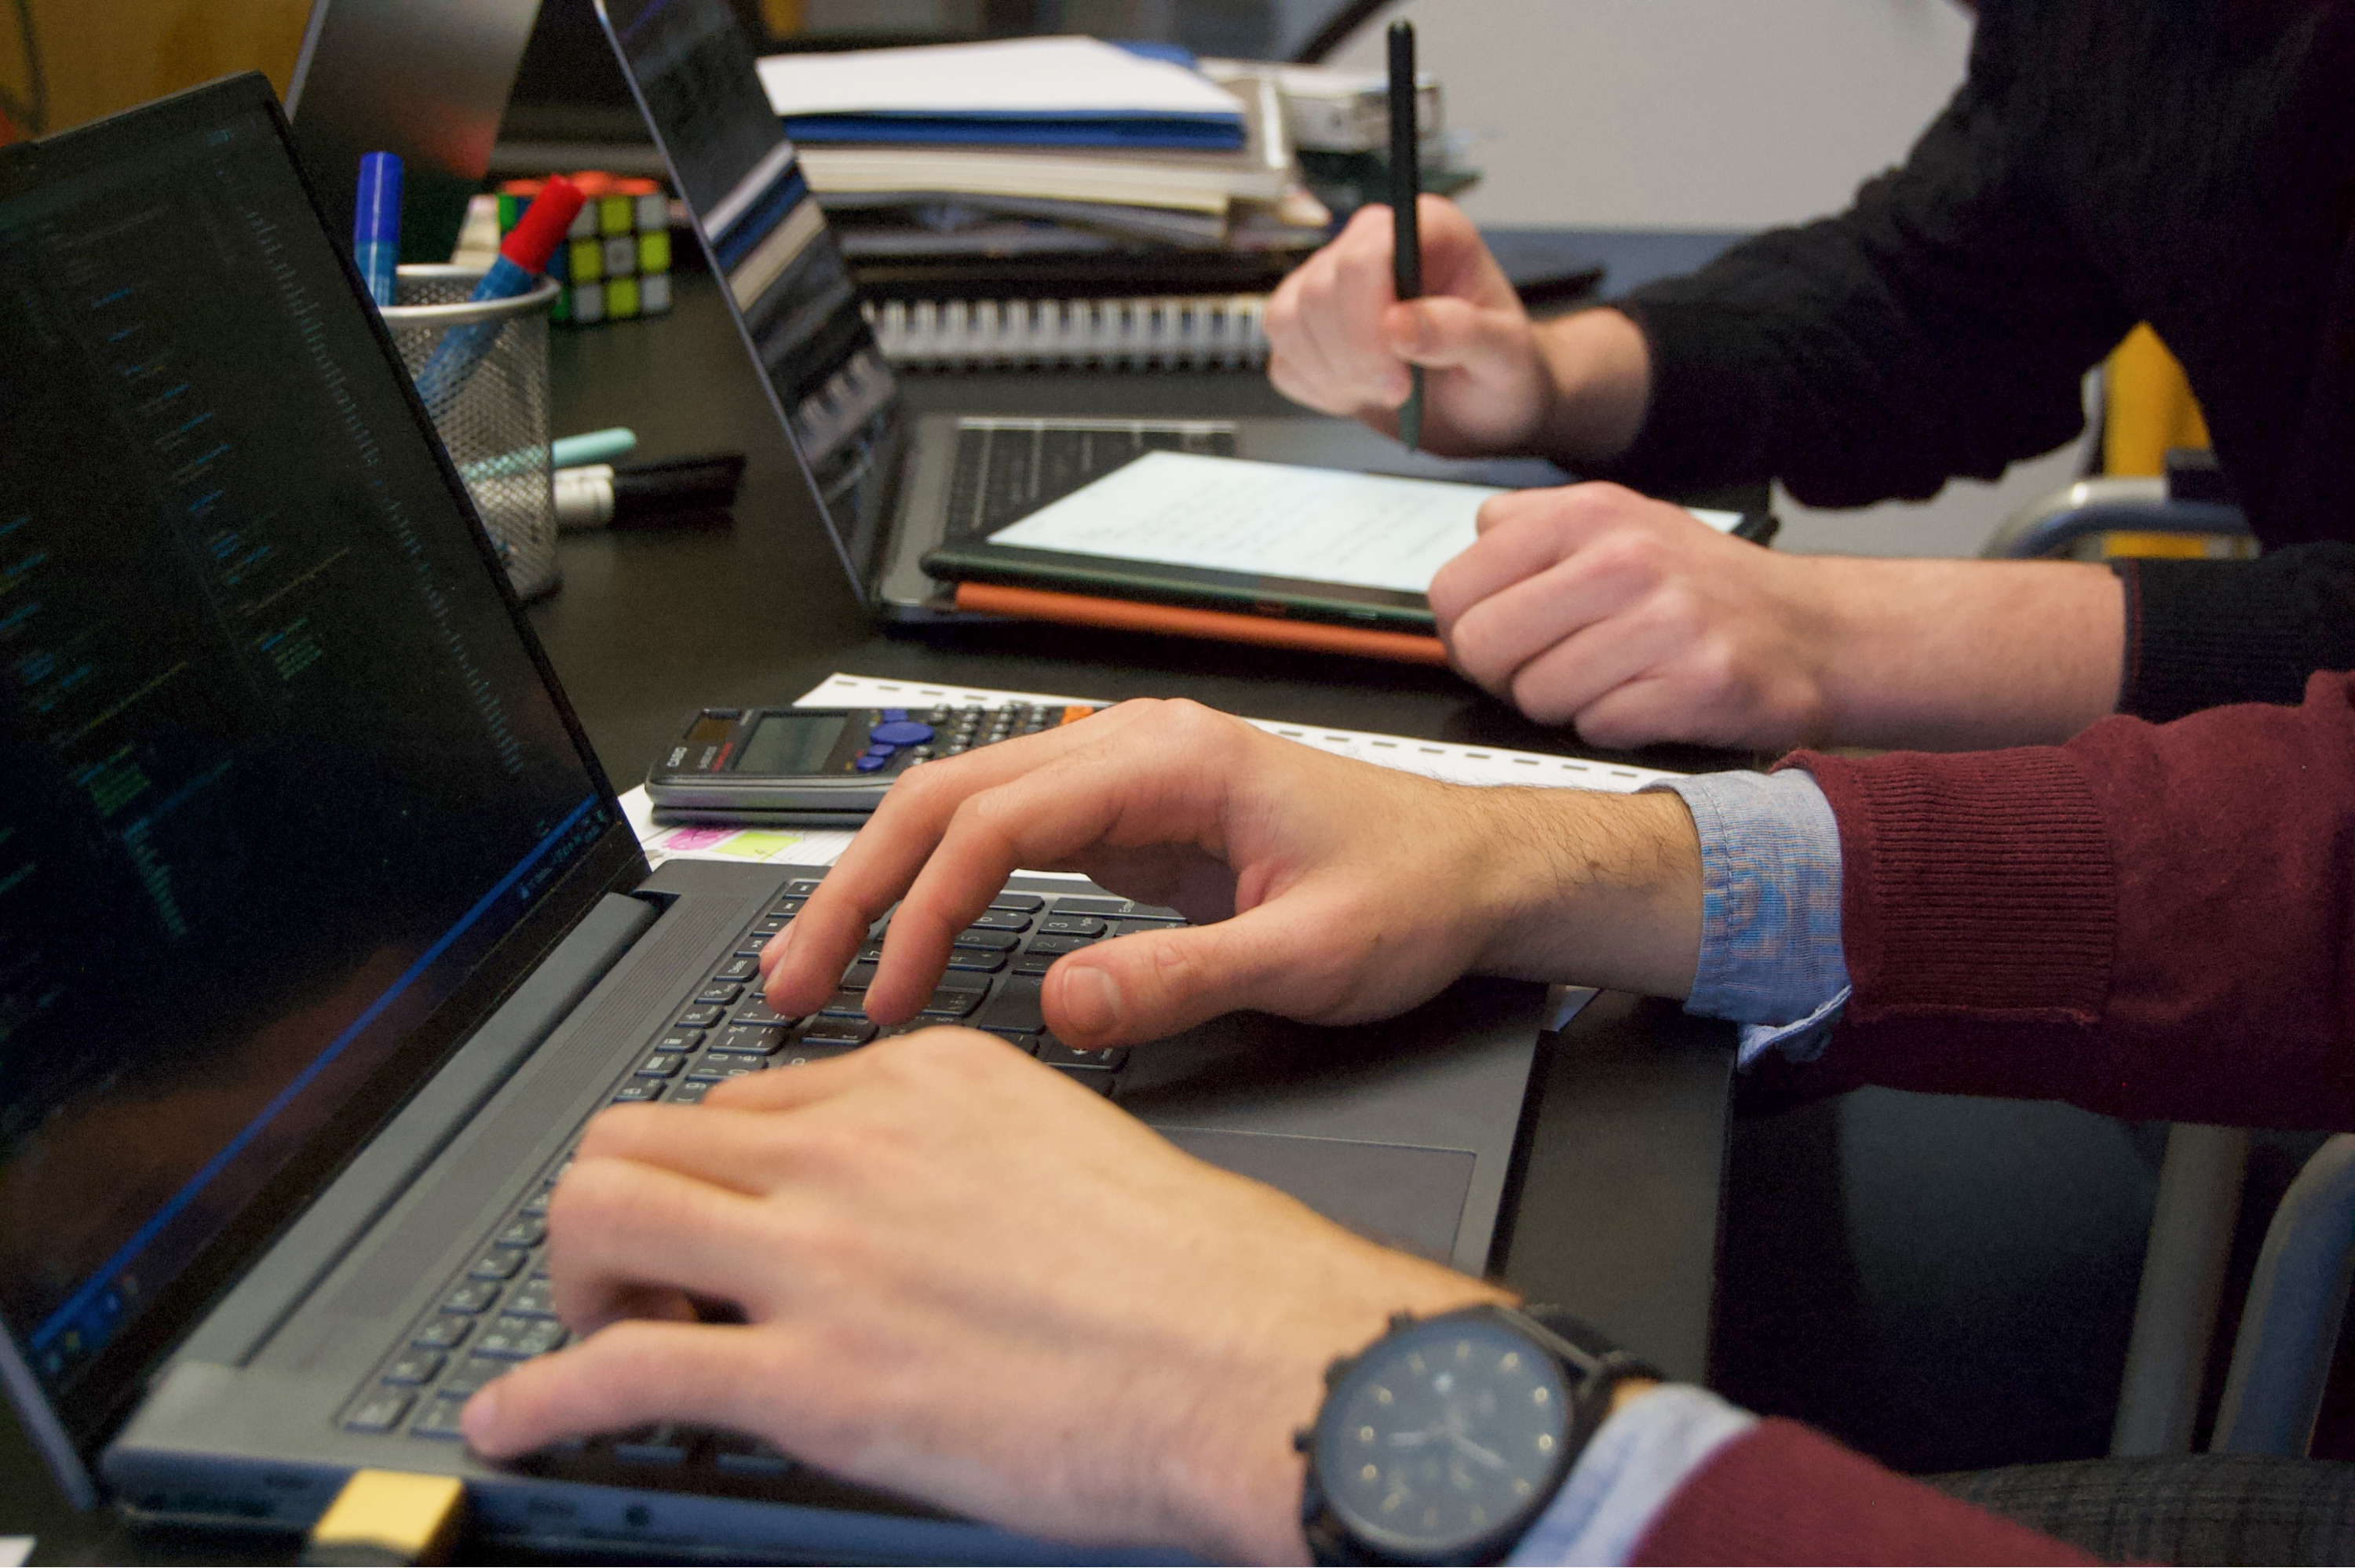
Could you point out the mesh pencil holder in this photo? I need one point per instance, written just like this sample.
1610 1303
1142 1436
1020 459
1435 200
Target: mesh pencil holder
483 371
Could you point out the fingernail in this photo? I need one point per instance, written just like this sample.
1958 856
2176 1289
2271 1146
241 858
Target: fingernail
1091 1000
482 1413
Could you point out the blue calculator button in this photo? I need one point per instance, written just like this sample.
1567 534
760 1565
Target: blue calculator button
893 715
868 761
902 731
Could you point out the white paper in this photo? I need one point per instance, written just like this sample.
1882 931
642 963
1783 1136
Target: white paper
14 1549
1013 76
1265 519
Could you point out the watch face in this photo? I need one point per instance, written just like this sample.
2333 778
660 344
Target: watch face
1441 1435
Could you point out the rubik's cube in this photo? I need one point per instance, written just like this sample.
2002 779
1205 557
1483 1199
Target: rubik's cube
614 262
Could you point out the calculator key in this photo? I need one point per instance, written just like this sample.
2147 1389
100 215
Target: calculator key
531 1301
1073 926
750 1042
838 1032
870 761
1055 1054
661 1064
1001 920
526 1232
379 1412
702 1017
723 995
499 1263
988 941
975 961
638 1091
762 1015
680 1040
445 1332
416 1367
440 1420
474 1296
900 731
1056 945
737 969
1019 902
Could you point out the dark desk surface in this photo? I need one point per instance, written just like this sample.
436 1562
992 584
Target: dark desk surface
1617 1207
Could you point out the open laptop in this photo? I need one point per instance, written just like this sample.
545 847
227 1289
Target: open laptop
889 489
322 934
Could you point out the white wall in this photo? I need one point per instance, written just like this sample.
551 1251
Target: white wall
1707 114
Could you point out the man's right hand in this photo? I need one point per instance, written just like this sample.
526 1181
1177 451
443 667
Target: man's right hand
1323 890
1341 342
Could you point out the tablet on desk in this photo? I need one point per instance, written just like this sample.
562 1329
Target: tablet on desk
1219 533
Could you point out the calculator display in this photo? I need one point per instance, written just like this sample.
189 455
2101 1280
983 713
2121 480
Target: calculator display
791 743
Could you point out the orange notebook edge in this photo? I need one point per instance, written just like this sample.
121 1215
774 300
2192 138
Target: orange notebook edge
1217 625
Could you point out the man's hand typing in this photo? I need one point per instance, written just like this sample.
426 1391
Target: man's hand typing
1322 889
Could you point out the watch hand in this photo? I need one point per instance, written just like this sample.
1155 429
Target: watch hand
1489 1457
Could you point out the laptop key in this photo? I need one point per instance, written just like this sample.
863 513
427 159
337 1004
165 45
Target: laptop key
737 969
1073 926
680 1040
1055 946
379 1412
440 1421
760 1012
857 977
415 1367
663 1444
637 1091
528 1231
533 1298
952 1002
976 962
499 1263
661 1064
1055 1054
1021 1038
690 1092
1001 920
1015 1008
702 1017
512 1339
474 1296
1020 903
723 995
447 1332
1094 1078
1031 965
838 1032
471 1375
761 1041
802 1055
988 941
747 1455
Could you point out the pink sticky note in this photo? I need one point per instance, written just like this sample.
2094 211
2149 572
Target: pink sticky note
683 840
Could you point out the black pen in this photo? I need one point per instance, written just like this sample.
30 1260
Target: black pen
1406 187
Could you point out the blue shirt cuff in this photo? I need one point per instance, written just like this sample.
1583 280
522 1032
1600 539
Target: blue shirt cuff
1770 858
1633 1465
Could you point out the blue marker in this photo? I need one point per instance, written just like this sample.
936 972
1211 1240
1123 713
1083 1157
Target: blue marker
523 256
376 225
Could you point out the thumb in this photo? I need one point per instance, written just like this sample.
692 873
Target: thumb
1442 332
1157 983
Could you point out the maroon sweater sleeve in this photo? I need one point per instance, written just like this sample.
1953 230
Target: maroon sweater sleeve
2152 921
1781 1493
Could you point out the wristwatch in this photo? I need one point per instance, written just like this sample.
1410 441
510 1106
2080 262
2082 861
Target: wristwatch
1445 1439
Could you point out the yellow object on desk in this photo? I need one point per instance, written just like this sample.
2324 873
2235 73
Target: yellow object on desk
388 1516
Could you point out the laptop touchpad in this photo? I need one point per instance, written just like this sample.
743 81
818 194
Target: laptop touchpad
1402 1196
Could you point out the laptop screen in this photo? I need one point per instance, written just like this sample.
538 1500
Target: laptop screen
281 766
792 298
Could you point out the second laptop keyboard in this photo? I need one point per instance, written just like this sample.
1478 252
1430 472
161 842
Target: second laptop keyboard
1007 469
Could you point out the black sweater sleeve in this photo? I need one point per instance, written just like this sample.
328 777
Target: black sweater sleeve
2203 633
1940 327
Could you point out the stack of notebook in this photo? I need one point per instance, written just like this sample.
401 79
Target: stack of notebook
1044 149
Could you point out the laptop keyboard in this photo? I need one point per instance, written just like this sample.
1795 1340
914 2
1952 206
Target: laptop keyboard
495 1312
1007 469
